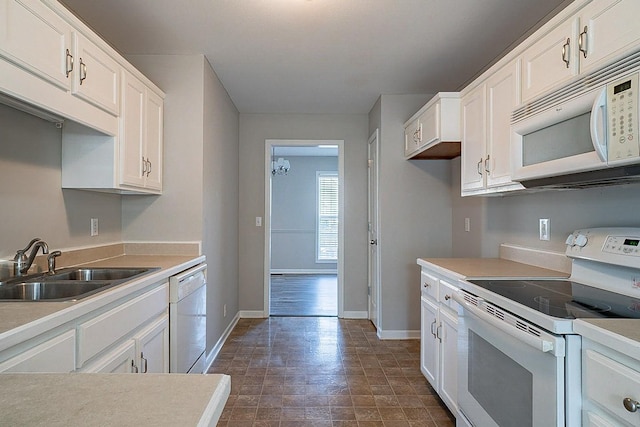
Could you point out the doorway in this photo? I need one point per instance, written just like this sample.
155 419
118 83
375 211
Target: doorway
304 225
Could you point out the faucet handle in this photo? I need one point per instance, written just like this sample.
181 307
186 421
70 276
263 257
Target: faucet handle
51 261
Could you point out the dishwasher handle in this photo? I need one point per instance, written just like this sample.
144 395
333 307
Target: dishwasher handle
184 284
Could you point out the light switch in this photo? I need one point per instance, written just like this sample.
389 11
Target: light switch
258 221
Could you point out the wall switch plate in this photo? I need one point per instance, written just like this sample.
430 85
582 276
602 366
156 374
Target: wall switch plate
258 221
467 224
544 228
94 226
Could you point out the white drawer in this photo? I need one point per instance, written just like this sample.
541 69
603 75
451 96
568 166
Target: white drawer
607 383
429 285
446 293
107 329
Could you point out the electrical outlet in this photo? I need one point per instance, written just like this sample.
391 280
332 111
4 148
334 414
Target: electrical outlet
467 224
94 226
224 310
544 228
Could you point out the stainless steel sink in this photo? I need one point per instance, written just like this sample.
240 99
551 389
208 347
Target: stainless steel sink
39 291
97 274
67 284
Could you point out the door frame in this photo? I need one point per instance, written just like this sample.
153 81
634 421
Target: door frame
268 146
373 143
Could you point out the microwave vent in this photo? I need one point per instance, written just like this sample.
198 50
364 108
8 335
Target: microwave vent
577 87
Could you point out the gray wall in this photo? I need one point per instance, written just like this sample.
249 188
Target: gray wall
293 215
199 200
33 203
414 213
254 130
514 218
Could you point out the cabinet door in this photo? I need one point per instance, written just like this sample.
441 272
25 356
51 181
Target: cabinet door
609 30
37 39
543 63
449 359
96 76
473 139
55 355
429 344
132 164
430 125
121 360
152 347
411 137
153 140
502 97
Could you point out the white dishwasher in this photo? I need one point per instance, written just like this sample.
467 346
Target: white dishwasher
188 320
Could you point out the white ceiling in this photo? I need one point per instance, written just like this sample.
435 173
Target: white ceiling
321 56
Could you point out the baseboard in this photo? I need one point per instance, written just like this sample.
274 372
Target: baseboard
251 314
398 335
304 271
355 315
211 356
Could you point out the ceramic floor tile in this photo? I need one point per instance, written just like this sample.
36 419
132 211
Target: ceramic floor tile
320 372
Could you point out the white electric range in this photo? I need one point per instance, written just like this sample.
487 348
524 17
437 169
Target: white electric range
519 358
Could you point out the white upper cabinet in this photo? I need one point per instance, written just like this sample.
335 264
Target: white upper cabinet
434 131
551 60
37 39
595 36
609 30
97 75
474 137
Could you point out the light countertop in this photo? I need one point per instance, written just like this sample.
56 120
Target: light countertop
463 268
23 320
112 399
622 335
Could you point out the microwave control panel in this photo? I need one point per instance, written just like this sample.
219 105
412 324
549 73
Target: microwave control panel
622 103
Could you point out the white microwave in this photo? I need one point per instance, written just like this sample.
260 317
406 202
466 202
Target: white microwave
594 131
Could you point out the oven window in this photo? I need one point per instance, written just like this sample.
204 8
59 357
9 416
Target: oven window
501 386
565 139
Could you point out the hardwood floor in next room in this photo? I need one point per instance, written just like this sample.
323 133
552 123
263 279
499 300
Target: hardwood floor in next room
304 295
324 371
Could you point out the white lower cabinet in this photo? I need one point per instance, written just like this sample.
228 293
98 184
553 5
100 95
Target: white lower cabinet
120 360
610 387
152 347
54 355
439 338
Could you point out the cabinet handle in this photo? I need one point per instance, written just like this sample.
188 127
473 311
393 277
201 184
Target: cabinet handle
438 335
69 64
148 167
479 167
144 363
134 368
447 297
487 164
433 332
582 42
144 166
83 71
565 52
630 404
426 285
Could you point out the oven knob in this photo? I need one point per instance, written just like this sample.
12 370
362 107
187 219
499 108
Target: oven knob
581 240
570 240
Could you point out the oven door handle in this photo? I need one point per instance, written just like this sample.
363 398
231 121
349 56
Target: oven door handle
535 342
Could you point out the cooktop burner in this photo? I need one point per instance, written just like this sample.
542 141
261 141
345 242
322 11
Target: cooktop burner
564 299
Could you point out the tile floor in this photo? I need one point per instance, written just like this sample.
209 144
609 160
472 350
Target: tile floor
323 371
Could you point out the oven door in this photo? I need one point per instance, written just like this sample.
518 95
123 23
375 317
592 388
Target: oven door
510 373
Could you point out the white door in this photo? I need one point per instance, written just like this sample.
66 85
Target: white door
374 266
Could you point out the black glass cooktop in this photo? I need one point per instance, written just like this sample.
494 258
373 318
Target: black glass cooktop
564 299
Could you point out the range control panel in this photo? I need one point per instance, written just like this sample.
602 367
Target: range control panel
622 245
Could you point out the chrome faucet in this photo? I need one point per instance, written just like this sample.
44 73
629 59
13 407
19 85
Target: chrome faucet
22 263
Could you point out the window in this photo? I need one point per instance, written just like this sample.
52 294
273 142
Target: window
327 223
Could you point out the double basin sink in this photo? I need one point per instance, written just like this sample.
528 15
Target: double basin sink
68 284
